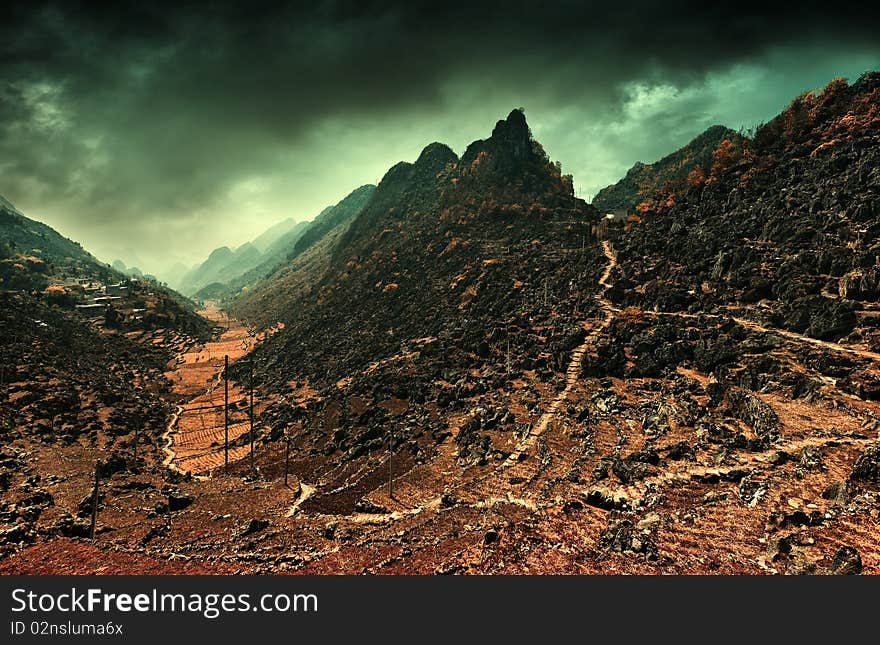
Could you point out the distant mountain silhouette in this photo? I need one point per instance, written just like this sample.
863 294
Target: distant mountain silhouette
226 273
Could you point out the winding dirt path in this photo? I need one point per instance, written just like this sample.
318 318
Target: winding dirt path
750 324
574 366
168 441
195 435
755 326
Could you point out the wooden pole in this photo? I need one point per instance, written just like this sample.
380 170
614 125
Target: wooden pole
286 456
252 412
137 429
95 501
508 351
226 412
391 465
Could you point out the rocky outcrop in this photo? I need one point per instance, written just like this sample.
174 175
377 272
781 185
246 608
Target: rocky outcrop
788 220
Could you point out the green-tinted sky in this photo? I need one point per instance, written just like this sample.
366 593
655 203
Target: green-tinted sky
156 135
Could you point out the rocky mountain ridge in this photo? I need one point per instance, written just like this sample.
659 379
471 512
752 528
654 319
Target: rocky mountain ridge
643 181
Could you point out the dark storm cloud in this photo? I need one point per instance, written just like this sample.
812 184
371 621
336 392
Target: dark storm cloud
148 116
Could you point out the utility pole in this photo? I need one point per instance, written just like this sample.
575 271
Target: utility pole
95 501
251 414
508 350
391 464
226 412
137 429
286 455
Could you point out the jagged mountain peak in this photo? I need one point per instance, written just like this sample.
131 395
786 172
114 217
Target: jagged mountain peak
510 144
513 134
436 154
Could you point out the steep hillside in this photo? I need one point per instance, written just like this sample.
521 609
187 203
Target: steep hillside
279 249
441 235
645 180
474 377
330 218
783 229
30 252
556 405
5 204
294 262
35 258
223 264
224 275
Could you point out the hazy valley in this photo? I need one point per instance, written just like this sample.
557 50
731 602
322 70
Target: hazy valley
468 369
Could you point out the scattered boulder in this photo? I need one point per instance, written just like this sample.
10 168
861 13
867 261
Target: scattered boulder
752 490
681 451
69 526
179 501
366 506
18 533
152 533
752 410
800 518
867 466
810 460
623 537
600 499
252 526
846 562
838 492
84 508
801 565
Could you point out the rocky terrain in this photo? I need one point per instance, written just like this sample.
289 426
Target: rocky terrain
784 228
71 395
79 384
471 381
645 181
37 262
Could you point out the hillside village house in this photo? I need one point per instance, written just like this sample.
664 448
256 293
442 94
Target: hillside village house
617 217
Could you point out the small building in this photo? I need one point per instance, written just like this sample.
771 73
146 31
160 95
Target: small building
116 289
93 308
617 217
93 287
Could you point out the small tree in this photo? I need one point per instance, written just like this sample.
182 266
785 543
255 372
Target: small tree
55 294
696 177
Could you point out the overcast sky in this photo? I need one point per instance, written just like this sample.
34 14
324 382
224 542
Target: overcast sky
156 134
